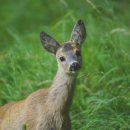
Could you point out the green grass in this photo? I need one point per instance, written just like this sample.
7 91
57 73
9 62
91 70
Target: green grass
102 96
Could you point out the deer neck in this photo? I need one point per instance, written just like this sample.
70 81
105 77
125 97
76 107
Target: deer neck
61 91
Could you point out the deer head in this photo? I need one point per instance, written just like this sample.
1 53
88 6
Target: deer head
68 55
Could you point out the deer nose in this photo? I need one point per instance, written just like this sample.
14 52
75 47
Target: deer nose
74 66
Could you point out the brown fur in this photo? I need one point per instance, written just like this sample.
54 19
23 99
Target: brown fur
45 109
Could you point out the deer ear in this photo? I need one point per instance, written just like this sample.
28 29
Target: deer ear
49 43
78 34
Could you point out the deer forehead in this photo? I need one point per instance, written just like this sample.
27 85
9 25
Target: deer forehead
67 47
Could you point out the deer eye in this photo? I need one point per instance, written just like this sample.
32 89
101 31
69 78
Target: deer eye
62 58
78 53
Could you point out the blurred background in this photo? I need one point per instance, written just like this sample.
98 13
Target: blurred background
102 96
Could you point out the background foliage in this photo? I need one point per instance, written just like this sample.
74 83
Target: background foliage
102 96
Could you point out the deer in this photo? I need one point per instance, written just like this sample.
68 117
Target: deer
48 108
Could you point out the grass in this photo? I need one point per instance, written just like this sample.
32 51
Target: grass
102 96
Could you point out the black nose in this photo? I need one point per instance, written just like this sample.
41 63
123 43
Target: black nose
75 66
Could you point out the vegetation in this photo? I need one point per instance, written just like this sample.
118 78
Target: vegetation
102 96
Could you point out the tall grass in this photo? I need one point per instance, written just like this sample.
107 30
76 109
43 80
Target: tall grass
102 96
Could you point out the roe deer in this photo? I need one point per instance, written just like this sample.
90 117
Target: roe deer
48 108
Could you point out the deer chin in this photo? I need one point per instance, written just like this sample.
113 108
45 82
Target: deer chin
72 72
